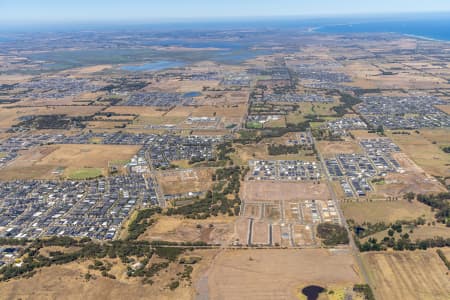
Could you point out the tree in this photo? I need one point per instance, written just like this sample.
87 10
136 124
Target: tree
380 129
409 196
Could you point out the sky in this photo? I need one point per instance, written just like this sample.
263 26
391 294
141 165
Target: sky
27 11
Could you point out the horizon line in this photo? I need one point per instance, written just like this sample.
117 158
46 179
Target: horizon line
174 20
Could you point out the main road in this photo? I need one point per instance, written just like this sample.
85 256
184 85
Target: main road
355 250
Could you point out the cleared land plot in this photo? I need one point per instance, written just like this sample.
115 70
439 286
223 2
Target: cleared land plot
185 181
252 211
219 230
303 235
385 211
396 185
28 161
424 153
285 231
76 157
241 228
276 234
245 153
292 211
55 160
260 234
411 179
226 111
275 190
444 108
276 274
329 149
272 212
408 275
136 110
437 135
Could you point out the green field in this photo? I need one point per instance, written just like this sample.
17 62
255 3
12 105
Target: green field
85 173
254 125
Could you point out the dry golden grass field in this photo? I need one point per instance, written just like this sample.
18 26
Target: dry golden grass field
424 153
412 179
330 149
184 181
68 282
41 163
277 274
432 231
408 275
385 211
106 125
217 230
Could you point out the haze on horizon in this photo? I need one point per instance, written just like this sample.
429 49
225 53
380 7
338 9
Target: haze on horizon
29 11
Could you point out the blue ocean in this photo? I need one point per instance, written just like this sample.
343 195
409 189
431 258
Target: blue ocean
428 26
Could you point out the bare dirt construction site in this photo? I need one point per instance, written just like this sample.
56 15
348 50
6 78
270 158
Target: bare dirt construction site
280 190
276 274
408 275
218 230
284 223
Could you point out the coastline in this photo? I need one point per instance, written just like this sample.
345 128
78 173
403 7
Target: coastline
416 36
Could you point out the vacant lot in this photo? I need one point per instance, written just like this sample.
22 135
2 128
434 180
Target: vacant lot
411 179
136 110
431 231
218 230
424 153
440 136
329 149
56 160
184 181
245 153
408 275
385 211
106 125
276 274
76 157
277 190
